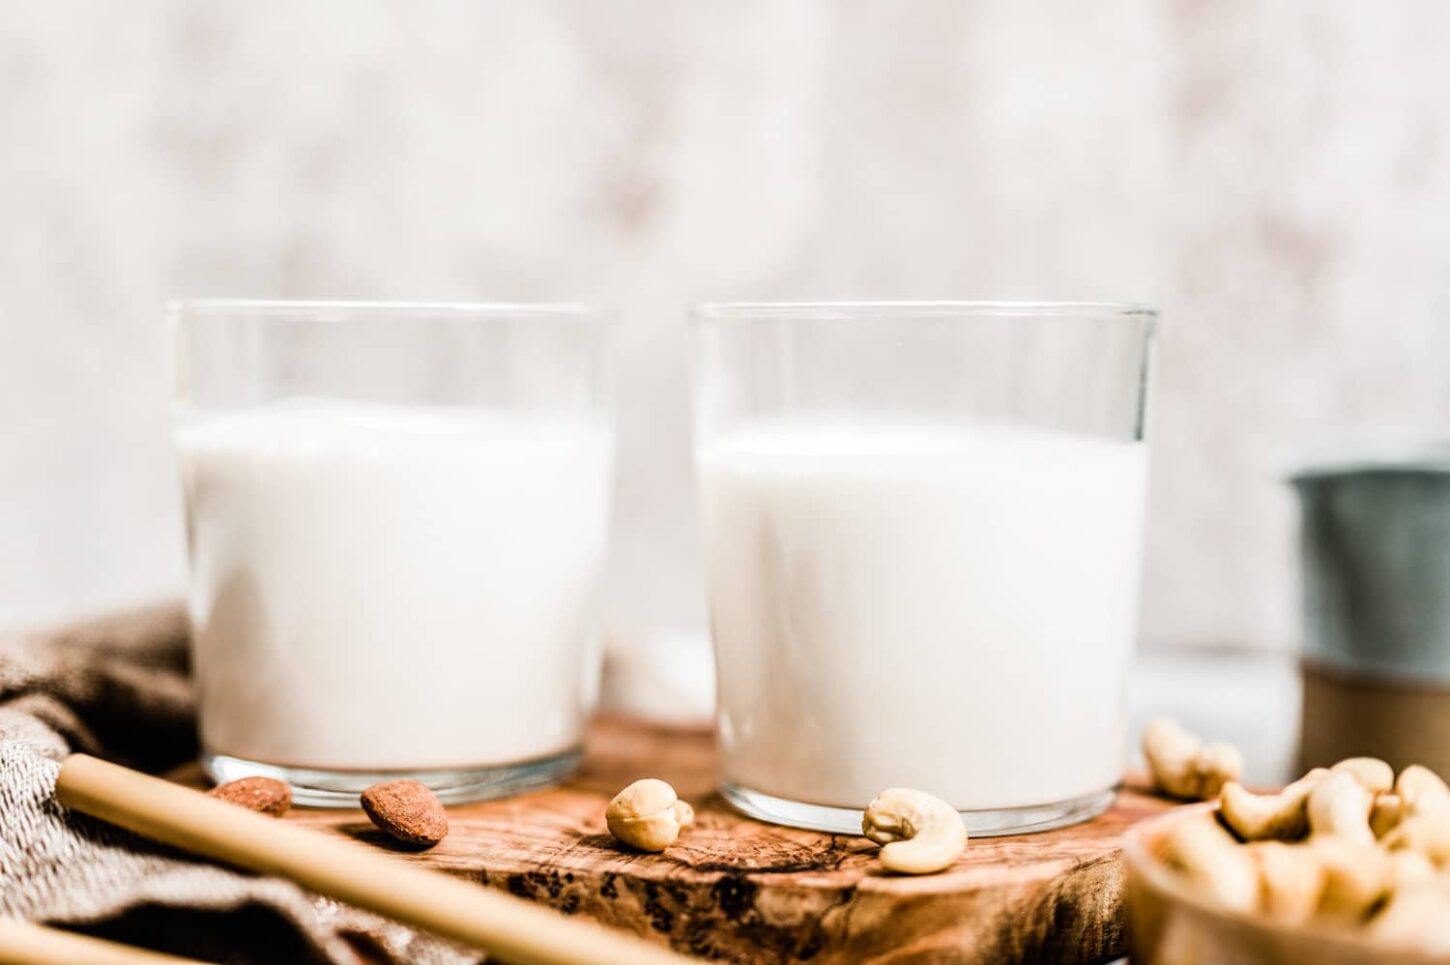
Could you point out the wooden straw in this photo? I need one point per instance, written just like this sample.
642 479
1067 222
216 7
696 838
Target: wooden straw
24 943
510 928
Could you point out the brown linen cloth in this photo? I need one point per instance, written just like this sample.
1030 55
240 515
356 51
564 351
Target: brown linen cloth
118 688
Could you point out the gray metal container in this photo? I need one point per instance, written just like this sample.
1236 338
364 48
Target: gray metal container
1375 550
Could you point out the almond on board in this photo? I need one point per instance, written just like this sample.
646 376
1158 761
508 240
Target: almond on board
407 810
262 794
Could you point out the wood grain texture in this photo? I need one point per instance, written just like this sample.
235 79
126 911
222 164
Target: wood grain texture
740 890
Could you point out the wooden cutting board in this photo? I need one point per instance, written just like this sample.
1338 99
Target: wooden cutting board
740 890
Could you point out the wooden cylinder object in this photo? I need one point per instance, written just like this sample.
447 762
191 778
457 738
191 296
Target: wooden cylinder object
25 943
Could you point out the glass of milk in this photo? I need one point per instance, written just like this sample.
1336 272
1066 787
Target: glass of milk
923 531
396 518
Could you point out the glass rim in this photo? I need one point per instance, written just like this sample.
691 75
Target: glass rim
326 310
912 310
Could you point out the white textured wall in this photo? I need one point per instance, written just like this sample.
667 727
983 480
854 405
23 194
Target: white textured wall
1275 175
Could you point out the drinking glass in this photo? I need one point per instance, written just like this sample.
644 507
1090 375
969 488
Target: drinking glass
923 531
396 520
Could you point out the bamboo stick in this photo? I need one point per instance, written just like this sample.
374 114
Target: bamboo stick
26 943
507 927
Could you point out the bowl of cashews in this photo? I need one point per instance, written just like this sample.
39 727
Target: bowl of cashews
1348 864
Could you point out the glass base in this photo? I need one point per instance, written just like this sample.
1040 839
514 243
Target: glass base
319 788
980 824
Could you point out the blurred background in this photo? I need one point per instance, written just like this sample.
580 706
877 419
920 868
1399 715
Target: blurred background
1276 177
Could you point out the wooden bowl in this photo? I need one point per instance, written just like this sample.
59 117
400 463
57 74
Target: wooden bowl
1168 924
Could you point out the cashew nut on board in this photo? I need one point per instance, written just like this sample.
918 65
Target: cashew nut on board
919 834
1183 766
648 815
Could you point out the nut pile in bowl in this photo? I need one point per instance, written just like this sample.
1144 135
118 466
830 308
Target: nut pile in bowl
1349 863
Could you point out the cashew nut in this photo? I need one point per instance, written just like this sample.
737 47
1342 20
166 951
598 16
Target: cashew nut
648 815
1213 862
1387 813
1340 807
919 833
1291 880
1408 869
1416 919
1356 876
1282 816
1182 766
1377 776
1427 835
1422 791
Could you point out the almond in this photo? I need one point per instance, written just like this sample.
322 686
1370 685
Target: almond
408 811
262 794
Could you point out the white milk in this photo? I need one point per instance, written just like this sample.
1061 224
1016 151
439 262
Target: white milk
950 610
380 588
